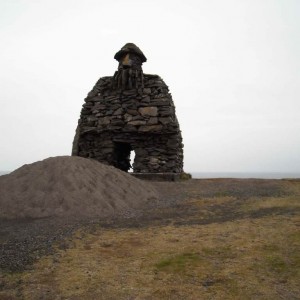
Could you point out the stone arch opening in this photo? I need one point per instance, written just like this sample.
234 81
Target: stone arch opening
122 156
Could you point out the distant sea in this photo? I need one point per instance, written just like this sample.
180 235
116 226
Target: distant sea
4 172
258 175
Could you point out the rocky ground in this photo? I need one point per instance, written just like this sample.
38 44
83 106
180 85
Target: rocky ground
25 240
187 204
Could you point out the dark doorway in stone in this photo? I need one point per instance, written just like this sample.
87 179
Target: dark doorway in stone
122 156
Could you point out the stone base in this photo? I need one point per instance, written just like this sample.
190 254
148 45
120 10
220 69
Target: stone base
162 176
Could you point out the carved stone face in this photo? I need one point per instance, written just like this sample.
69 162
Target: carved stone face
130 60
130 73
126 61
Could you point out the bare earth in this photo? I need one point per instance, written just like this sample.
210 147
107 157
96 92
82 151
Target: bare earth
70 187
200 239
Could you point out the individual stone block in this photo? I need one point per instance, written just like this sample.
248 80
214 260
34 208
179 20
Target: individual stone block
148 111
147 91
127 117
137 122
165 121
119 111
149 128
132 112
152 121
104 121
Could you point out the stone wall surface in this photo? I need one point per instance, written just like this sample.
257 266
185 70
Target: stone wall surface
115 121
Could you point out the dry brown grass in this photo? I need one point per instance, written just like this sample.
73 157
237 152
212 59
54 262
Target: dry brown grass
244 258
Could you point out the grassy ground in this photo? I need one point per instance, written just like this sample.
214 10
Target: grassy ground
225 239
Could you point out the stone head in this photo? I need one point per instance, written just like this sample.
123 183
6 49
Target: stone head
130 56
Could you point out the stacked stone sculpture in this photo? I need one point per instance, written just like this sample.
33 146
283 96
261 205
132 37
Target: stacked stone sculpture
130 111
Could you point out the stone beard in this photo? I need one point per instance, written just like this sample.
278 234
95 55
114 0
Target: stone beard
130 74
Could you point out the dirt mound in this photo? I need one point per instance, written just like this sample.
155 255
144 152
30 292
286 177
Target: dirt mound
70 186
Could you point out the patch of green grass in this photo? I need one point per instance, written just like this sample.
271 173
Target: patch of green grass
179 263
224 252
10 285
270 248
295 237
284 260
185 176
223 194
276 263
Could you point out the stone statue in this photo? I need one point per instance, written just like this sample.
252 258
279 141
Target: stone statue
130 111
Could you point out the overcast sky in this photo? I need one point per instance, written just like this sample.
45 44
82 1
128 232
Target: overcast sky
232 67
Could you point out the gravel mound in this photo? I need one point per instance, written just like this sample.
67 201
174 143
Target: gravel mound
70 186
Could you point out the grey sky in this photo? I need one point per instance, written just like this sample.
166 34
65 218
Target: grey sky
232 67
